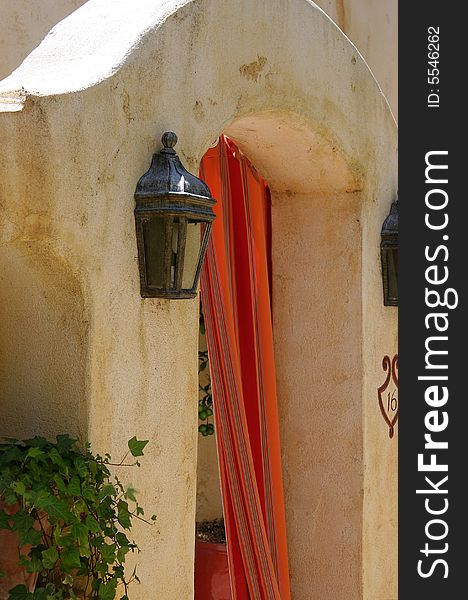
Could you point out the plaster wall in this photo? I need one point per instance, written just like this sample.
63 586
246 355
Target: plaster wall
43 344
24 24
317 329
372 26
209 501
288 86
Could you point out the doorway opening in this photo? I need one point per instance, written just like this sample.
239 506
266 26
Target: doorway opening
236 309
315 290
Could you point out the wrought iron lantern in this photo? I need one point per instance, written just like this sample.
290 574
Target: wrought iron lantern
173 219
389 256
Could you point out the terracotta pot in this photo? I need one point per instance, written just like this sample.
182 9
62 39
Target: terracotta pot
211 572
9 551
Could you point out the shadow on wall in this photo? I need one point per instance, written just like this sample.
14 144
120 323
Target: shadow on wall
43 343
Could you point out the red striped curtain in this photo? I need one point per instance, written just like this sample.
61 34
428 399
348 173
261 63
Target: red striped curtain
237 309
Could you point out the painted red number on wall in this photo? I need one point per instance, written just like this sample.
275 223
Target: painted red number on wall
388 393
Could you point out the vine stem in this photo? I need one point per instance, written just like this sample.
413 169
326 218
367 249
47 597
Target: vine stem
141 519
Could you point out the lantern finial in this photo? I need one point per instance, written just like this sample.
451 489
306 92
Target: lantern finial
169 140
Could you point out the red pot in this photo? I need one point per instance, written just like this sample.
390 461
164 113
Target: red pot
211 572
9 554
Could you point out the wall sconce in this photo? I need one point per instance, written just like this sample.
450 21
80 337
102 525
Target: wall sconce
389 256
173 219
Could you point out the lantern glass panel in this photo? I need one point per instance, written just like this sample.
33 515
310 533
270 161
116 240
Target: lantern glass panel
192 250
392 266
154 235
175 251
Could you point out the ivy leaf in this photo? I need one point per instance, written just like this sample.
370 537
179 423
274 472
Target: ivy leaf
45 593
107 490
52 506
10 455
122 539
22 521
59 510
89 493
80 466
79 532
61 487
61 535
70 558
57 460
9 497
118 571
107 590
18 487
49 557
36 442
34 452
42 498
33 564
74 487
108 552
31 536
64 443
123 514
20 592
136 447
92 524
121 552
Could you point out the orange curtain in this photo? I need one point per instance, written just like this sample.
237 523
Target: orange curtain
237 308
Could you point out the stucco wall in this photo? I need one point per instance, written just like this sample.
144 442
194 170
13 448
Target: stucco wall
317 332
372 26
43 344
24 24
208 66
209 502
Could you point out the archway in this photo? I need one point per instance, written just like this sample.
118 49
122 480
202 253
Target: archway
202 67
316 207
316 287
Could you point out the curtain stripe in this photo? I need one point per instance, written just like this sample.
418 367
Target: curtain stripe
237 307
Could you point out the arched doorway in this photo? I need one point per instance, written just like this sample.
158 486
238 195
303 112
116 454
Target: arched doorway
316 205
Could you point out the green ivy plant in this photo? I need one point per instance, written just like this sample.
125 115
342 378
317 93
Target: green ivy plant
73 513
205 397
